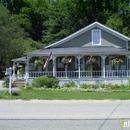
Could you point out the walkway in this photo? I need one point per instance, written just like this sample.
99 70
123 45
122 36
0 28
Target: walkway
2 88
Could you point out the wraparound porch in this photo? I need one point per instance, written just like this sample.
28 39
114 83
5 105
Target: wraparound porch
78 68
88 77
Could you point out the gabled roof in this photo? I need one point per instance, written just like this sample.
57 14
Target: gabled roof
95 24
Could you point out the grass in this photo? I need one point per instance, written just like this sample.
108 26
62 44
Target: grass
65 95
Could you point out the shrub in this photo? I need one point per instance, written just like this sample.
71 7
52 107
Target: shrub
45 81
69 84
85 86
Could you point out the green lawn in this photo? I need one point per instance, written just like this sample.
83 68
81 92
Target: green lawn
65 95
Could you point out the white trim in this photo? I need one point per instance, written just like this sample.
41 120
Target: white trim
99 31
95 24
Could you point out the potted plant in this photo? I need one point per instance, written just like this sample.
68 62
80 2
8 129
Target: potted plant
117 61
39 63
90 63
20 68
66 60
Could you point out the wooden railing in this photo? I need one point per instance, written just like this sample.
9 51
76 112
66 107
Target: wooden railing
35 74
75 74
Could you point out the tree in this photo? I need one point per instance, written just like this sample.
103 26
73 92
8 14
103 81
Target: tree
10 32
59 21
13 40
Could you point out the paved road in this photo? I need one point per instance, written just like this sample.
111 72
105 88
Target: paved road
62 115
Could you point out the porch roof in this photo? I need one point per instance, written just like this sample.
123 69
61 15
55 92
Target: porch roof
93 50
21 59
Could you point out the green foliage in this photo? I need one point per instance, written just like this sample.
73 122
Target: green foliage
11 36
108 87
39 62
5 83
70 84
65 95
129 81
31 45
45 81
48 21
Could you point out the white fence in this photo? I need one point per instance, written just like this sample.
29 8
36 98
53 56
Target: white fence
75 74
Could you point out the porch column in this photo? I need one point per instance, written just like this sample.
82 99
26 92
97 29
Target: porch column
128 62
18 71
13 69
128 66
79 57
13 76
83 63
27 70
103 64
54 65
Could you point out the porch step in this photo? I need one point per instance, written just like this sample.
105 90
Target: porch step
18 83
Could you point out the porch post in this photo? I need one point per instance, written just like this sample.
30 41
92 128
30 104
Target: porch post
27 70
18 71
103 64
79 57
13 76
13 69
128 59
54 65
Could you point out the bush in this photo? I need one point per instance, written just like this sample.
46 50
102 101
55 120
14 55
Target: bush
69 84
45 81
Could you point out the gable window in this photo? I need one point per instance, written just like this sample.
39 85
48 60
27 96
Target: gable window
96 37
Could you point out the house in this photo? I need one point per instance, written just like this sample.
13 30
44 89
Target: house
98 54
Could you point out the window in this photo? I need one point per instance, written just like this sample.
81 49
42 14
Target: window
96 37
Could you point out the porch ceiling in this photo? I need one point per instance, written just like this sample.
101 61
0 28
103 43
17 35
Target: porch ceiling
93 50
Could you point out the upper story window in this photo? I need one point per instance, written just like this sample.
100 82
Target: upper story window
96 37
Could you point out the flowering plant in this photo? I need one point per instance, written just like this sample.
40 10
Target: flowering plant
91 61
39 62
66 60
19 68
117 61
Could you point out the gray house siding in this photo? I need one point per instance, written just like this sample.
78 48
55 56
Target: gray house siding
111 40
85 39
79 41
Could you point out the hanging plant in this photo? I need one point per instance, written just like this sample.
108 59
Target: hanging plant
20 68
117 61
39 62
66 60
91 61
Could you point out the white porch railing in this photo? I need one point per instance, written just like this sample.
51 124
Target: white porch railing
75 74
35 74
